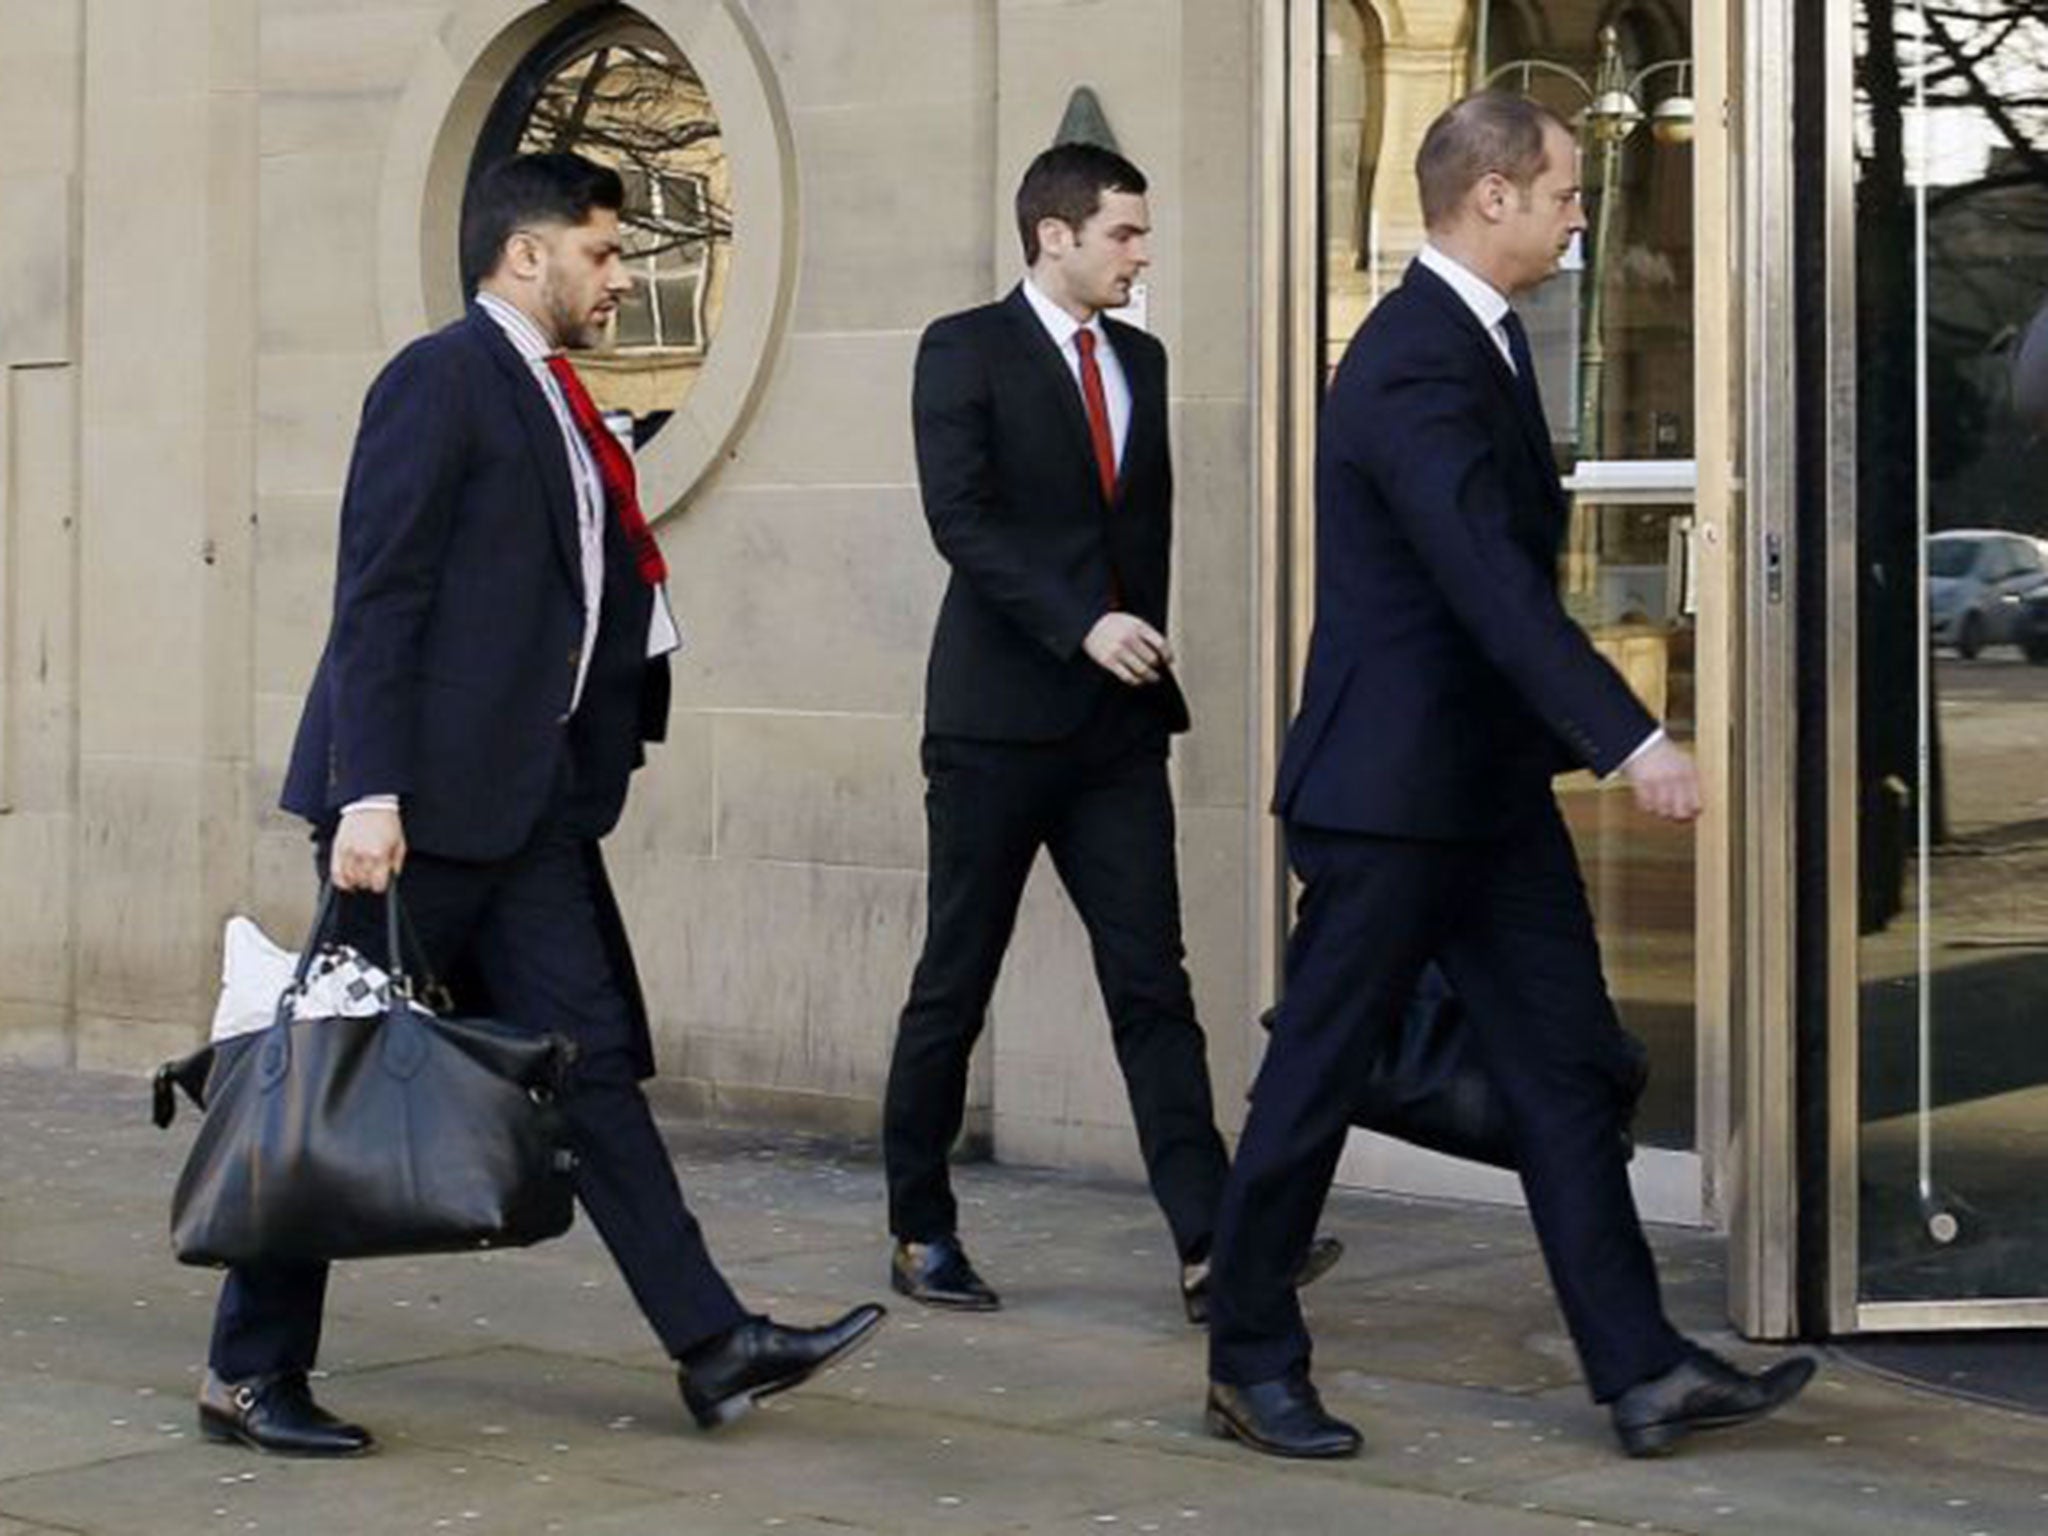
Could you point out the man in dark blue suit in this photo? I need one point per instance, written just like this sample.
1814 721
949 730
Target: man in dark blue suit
497 657
1445 687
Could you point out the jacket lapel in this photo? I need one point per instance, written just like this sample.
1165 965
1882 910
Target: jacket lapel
544 437
1535 433
1045 359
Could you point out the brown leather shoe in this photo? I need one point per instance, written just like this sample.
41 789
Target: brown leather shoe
275 1414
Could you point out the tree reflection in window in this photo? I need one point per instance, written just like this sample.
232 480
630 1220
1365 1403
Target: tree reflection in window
610 85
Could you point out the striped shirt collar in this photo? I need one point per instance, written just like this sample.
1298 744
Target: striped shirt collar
524 335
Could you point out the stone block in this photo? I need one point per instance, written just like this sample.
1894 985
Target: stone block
773 975
146 943
317 285
1214 524
35 893
311 122
40 45
343 49
35 1034
294 587
1217 908
854 53
895 226
37 267
41 597
306 414
141 640
836 413
820 789
819 599
670 811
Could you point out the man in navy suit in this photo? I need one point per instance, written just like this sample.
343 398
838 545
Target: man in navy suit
1445 687
1041 428
497 657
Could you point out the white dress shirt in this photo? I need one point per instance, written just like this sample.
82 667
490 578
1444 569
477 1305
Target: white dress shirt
1116 389
1490 307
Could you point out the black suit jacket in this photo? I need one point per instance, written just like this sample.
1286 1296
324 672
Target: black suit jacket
1016 507
1446 684
458 617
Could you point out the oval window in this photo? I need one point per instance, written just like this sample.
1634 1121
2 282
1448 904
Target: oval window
610 85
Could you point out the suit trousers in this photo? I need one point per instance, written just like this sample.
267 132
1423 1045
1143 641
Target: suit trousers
1508 921
528 926
1099 803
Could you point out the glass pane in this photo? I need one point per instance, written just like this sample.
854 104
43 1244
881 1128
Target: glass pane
617 90
1614 362
1952 261
1628 580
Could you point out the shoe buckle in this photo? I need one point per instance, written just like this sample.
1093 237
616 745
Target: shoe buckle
244 1398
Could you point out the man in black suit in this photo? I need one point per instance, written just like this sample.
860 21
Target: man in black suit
497 657
1445 687
1041 431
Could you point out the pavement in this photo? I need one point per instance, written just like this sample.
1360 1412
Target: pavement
520 1392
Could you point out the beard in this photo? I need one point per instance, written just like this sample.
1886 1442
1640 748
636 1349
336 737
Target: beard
570 322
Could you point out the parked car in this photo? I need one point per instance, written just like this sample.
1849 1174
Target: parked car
1977 583
2033 635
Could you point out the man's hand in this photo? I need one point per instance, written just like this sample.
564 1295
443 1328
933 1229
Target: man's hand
369 850
1665 781
1128 649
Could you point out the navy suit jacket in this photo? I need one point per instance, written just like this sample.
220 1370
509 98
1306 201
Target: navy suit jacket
1015 504
1446 685
458 618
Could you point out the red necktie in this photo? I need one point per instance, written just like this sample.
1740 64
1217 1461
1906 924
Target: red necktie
615 469
1098 413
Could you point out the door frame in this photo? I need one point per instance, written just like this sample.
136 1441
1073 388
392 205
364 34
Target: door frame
1846 1312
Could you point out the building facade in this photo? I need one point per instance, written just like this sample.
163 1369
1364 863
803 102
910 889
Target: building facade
1775 369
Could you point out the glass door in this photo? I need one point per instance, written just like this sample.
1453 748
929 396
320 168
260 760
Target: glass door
1940 1035
1614 340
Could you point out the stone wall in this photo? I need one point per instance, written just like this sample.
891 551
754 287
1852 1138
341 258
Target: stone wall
203 195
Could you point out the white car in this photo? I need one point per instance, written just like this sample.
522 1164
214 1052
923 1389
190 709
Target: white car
1977 579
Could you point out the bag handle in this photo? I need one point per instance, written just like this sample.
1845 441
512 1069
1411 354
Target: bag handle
277 1048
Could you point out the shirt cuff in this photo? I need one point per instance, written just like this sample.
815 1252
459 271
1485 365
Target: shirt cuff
371 803
1643 746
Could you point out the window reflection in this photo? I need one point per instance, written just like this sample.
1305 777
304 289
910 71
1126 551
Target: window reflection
613 87
1626 573
1952 258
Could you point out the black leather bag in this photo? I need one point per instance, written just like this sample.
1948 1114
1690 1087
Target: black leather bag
349 1138
1426 1085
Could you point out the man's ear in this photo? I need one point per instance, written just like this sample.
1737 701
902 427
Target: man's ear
525 253
1055 237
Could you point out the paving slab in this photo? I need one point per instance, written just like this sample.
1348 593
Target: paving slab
521 1392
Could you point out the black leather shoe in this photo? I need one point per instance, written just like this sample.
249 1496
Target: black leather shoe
937 1274
1322 1254
723 1379
1702 1391
1282 1417
276 1414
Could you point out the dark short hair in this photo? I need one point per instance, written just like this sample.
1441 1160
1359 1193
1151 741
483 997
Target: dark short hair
1487 133
1066 183
526 190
